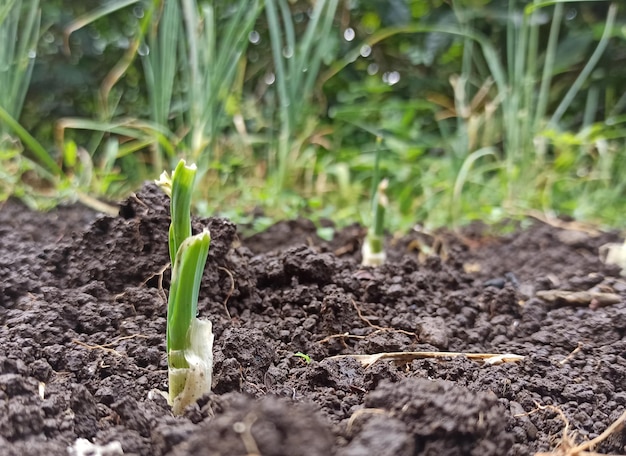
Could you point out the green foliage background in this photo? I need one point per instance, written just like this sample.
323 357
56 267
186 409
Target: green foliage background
455 146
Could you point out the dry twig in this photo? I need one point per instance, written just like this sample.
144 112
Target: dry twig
378 329
580 298
158 274
105 347
567 445
562 224
230 292
571 355
405 357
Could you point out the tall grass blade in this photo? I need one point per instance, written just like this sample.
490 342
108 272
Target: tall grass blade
19 32
588 68
29 141
160 65
297 66
548 66
92 16
216 37
463 174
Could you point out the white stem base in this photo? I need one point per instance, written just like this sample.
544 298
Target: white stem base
615 254
372 258
190 384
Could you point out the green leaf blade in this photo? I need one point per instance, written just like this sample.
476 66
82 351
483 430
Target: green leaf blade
185 288
183 179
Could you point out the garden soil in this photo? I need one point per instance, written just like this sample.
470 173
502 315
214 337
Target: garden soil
82 336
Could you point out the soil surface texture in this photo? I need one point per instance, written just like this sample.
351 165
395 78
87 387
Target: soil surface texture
82 331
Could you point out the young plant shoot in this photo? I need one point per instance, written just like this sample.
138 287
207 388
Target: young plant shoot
373 250
189 339
615 254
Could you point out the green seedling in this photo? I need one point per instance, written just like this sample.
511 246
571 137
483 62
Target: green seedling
304 356
189 339
373 250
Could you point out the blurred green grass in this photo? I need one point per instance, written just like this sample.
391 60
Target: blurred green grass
485 109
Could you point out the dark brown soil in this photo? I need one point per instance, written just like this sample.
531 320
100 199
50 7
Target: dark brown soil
82 331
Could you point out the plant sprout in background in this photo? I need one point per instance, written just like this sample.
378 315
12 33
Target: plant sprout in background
615 253
189 339
373 250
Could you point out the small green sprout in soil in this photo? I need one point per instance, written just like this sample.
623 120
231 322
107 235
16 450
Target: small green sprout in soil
373 249
305 357
189 339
